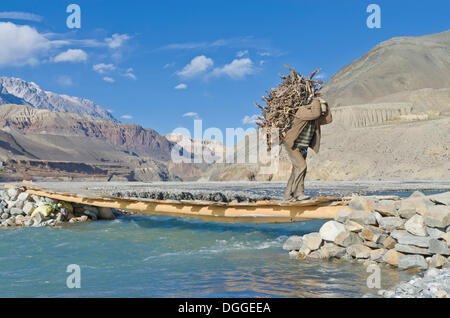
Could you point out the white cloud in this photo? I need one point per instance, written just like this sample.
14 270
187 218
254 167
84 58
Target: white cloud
102 68
242 53
126 117
190 114
108 79
181 86
14 15
129 73
197 66
22 45
71 55
237 69
64 80
250 119
168 65
117 40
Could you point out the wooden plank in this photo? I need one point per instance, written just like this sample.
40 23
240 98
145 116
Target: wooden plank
257 212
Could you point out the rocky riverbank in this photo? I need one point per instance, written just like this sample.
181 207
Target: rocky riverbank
409 234
18 208
433 283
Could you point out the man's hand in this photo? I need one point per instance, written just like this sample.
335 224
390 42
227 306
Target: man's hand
323 106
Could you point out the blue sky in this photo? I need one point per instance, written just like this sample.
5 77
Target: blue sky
158 63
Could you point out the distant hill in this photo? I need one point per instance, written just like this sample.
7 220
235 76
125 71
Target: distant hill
399 67
20 92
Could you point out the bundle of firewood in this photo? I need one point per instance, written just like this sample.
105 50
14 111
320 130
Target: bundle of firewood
283 102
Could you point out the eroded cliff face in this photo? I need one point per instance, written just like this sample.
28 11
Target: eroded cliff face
131 138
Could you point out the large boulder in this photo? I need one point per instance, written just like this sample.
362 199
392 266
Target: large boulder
312 241
439 247
332 250
391 223
346 239
293 243
391 257
330 230
105 214
13 194
441 198
358 251
386 207
416 226
411 249
403 237
437 216
361 203
377 254
412 261
363 217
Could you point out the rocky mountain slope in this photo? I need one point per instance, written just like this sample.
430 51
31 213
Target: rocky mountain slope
131 138
400 65
20 92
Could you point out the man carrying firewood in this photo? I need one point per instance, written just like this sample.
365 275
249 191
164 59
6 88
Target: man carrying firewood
304 133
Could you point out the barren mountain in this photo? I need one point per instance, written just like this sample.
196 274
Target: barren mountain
400 65
20 92
131 138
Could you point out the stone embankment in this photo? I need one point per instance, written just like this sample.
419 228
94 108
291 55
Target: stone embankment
412 233
434 283
18 208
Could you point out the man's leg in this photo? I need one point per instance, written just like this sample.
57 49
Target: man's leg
295 187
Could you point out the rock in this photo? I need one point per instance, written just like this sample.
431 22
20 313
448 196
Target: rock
403 237
437 261
28 222
28 208
330 230
446 237
23 196
315 255
303 252
363 217
391 223
342 215
377 254
293 243
20 219
439 247
412 261
389 242
437 216
332 250
91 208
434 233
16 211
5 216
358 251
312 241
37 219
361 203
441 198
417 194
378 216
386 207
353 226
11 221
293 254
346 239
411 249
13 194
416 226
105 214
369 234
391 257
91 214
441 294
